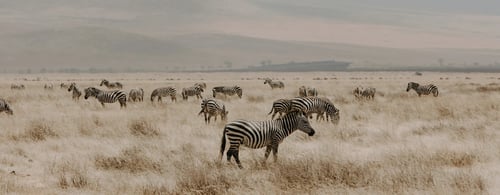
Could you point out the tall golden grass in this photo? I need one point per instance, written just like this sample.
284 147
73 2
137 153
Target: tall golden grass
396 144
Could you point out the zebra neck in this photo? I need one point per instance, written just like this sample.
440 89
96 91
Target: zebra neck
289 124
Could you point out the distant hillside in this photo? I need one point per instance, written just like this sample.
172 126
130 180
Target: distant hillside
96 48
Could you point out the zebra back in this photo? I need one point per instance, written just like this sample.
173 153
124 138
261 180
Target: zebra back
164 91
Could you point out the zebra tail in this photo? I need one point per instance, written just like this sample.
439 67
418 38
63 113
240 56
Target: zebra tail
223 144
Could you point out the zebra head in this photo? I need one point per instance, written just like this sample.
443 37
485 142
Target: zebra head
103 82
303 123
91 91
8 110
411 85
336 116
71 86
267 80
239 91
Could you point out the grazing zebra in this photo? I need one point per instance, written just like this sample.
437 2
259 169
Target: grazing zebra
48 86
259 134
317 105
274 84
4 107
192 91
280 106
202 85
136 95
211 108
113 85
423 89
17 86
228 90
367 93
307 91
64 86
76 92
164 91
107 96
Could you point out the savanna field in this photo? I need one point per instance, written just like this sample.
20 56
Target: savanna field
398 143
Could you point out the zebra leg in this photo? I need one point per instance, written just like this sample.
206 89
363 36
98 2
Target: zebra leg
237 158
275 152
102 103
266 155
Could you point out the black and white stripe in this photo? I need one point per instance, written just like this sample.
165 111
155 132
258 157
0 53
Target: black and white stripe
228 90
136 95
192 91
423 89
274 84
164 91
48 86
107 96
317 105
111 85
211 107
307 91
281 106
4 107
17 86
366 93
203 85
76 93
259 134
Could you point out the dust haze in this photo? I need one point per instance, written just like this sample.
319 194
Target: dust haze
175 35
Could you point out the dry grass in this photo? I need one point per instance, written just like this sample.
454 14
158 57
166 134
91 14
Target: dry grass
396 144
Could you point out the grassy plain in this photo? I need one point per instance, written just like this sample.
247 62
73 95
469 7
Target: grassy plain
398 143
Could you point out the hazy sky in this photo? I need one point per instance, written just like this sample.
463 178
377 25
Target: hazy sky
388 23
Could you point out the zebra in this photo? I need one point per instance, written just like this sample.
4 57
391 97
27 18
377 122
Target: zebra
280 106
274 84
211 108
202 85
367 93
17 86
76 92
317 105
259 134
48 86
192 91
423 89
64 86
164 91
228 90
136 95
4 107
307 91
113 85
107 96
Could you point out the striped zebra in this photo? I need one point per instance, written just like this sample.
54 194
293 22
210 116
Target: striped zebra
274 84
202 85
64 86
109 85
317 105
366 93
107 96
192 91
136 95
4 107
259 134
17 86
211 107
307 91
76 92
164 91
48 86
228 90
423 89
281 106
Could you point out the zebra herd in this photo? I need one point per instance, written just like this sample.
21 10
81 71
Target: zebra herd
294 113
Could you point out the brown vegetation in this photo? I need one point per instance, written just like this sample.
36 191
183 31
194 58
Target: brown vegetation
398 143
